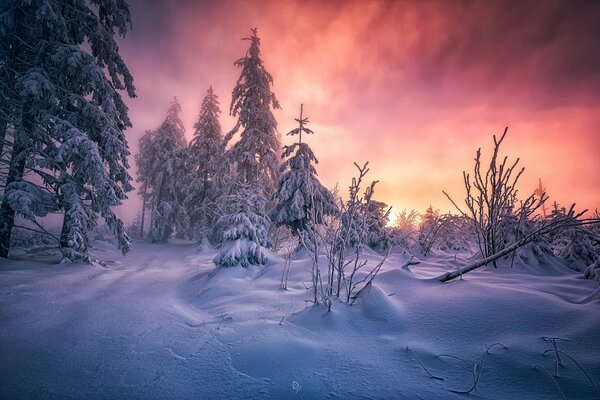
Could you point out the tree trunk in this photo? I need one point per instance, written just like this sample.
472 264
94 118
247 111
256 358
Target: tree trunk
3 128
7 214
448 276
143 213
3 147
64 232
18 157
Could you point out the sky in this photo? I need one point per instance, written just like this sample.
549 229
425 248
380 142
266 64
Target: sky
413 87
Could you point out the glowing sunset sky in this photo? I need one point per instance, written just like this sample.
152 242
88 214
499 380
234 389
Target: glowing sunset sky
414 87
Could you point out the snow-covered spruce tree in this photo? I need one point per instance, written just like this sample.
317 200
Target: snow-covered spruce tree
17 37
377 236
301 199
578 246
84 188
143 160
65 105
405 230
444 232
254 156
78 220
164 163
205 156
245 233
182 220
453 233
430 221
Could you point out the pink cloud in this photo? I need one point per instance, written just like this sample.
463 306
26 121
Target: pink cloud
415 87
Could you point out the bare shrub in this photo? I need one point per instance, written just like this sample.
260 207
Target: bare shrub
492 205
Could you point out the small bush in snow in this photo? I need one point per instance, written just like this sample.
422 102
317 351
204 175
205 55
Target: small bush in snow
245 229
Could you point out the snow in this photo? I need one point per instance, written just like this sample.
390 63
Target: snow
160 323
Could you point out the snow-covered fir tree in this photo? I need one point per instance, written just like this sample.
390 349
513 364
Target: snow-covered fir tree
143 160
377 217
84 191
429 222
167 151
255 155
245 228
162 162
300 199
63 105
182 226
205 158
405 229
578 246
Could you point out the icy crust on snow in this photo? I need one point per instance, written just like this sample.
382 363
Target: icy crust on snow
161 323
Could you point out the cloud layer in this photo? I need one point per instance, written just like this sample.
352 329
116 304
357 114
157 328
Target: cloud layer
415 87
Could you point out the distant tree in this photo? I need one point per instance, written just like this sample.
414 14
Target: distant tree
405 228
377 236
143 161
301 199
160 162
62 105
182 226
245 229
205 159
427 229
578 245
254 156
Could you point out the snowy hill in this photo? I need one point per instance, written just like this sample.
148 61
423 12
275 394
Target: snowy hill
159 324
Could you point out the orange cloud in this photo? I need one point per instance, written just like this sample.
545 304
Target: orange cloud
413 86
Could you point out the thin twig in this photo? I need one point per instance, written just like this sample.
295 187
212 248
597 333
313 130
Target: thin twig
423 365
562 395
478 368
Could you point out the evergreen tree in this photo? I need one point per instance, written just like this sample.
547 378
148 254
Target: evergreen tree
255 154
377 236
406 228
143 161
245 229
64 109
85 190
301 199
429 222
578 246
205 158
182 224
161 165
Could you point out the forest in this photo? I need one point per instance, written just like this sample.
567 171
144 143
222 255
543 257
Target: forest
243 275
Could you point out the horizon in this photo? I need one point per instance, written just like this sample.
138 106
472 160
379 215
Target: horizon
424 95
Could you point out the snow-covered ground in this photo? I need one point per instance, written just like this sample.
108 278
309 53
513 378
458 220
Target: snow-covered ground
157 325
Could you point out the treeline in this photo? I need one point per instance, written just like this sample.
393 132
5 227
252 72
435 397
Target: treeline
63 150
240 196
